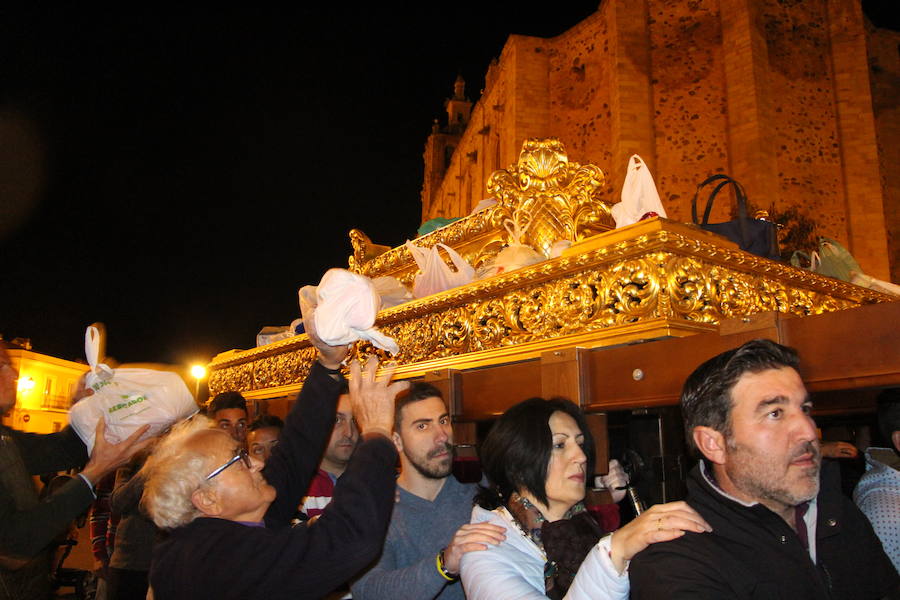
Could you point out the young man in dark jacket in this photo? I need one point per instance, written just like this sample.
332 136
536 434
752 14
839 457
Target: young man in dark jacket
781 528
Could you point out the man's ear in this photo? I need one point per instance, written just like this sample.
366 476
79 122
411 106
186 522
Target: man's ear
711 443
206 501
895 437
398 443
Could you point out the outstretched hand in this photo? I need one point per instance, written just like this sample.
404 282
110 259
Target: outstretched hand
331 357
372 398
659 523
106 457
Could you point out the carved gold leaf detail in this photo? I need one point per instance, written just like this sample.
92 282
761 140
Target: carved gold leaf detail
551 198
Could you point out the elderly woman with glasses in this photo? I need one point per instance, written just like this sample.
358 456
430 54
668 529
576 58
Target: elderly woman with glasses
537 458
229 518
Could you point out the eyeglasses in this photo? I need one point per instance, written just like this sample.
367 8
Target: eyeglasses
241 455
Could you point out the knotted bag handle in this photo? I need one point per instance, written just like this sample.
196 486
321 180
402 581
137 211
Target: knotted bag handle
739 194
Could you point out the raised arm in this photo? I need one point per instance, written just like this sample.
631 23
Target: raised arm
28 528
306 430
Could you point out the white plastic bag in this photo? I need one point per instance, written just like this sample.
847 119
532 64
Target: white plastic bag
128 399
344 306
515 256
392 292
435 275
879 285
639 195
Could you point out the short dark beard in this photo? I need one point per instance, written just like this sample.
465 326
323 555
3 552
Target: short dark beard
434 472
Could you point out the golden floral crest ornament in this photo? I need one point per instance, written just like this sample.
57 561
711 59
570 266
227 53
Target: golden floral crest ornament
551 198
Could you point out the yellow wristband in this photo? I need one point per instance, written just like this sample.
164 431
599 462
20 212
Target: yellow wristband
439 562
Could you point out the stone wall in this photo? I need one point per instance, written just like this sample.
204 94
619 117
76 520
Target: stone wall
778 94
884 60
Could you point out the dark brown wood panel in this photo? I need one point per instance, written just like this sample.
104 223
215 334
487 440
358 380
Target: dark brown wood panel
563 375
848 349
487 392
597 425
652 373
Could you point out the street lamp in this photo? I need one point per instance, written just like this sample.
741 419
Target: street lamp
26 384
198 372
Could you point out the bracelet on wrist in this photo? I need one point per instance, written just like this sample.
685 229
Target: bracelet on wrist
439 562
329 370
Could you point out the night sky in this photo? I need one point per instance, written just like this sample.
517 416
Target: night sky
178 174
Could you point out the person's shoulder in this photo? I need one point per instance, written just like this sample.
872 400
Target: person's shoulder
483 515
701 547
495 517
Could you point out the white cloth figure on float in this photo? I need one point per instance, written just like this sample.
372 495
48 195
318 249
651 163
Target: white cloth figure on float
639 195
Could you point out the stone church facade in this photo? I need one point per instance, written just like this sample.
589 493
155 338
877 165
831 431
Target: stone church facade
797 99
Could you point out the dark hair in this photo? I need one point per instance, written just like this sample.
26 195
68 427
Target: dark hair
889 414
516 451
226 400
263 421
706 396
418 391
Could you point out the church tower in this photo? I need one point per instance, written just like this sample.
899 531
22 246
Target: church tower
443 141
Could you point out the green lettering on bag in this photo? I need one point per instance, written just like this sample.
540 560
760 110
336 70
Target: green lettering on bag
131 402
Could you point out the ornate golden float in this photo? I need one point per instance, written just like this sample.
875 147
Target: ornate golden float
655 279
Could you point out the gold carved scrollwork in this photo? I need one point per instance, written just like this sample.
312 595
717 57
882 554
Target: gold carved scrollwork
238 377
633 289
698 292
658 270
284 369
551 198
363 250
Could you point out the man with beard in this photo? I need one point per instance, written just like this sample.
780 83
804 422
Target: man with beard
340 448
429 529
781 528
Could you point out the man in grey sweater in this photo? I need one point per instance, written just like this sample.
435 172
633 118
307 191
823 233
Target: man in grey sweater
430 528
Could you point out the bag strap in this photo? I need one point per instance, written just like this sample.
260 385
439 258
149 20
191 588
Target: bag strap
419 254
92 353
92 346
703 184
461 264
739 194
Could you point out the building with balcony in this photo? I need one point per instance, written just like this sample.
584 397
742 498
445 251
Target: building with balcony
45 387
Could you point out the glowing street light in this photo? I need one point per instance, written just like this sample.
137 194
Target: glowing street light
198 372
26 384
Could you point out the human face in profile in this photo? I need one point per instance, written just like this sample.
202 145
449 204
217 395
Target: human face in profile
566 474
240 491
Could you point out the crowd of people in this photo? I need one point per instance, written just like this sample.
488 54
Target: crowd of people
314 507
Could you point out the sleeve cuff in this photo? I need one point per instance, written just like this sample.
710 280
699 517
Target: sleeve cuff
89 484
605 551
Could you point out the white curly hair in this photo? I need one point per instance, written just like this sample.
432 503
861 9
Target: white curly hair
172 474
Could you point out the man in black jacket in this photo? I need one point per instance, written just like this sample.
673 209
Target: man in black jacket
781 528
229 517
28 525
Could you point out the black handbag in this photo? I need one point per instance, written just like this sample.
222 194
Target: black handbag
752 235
